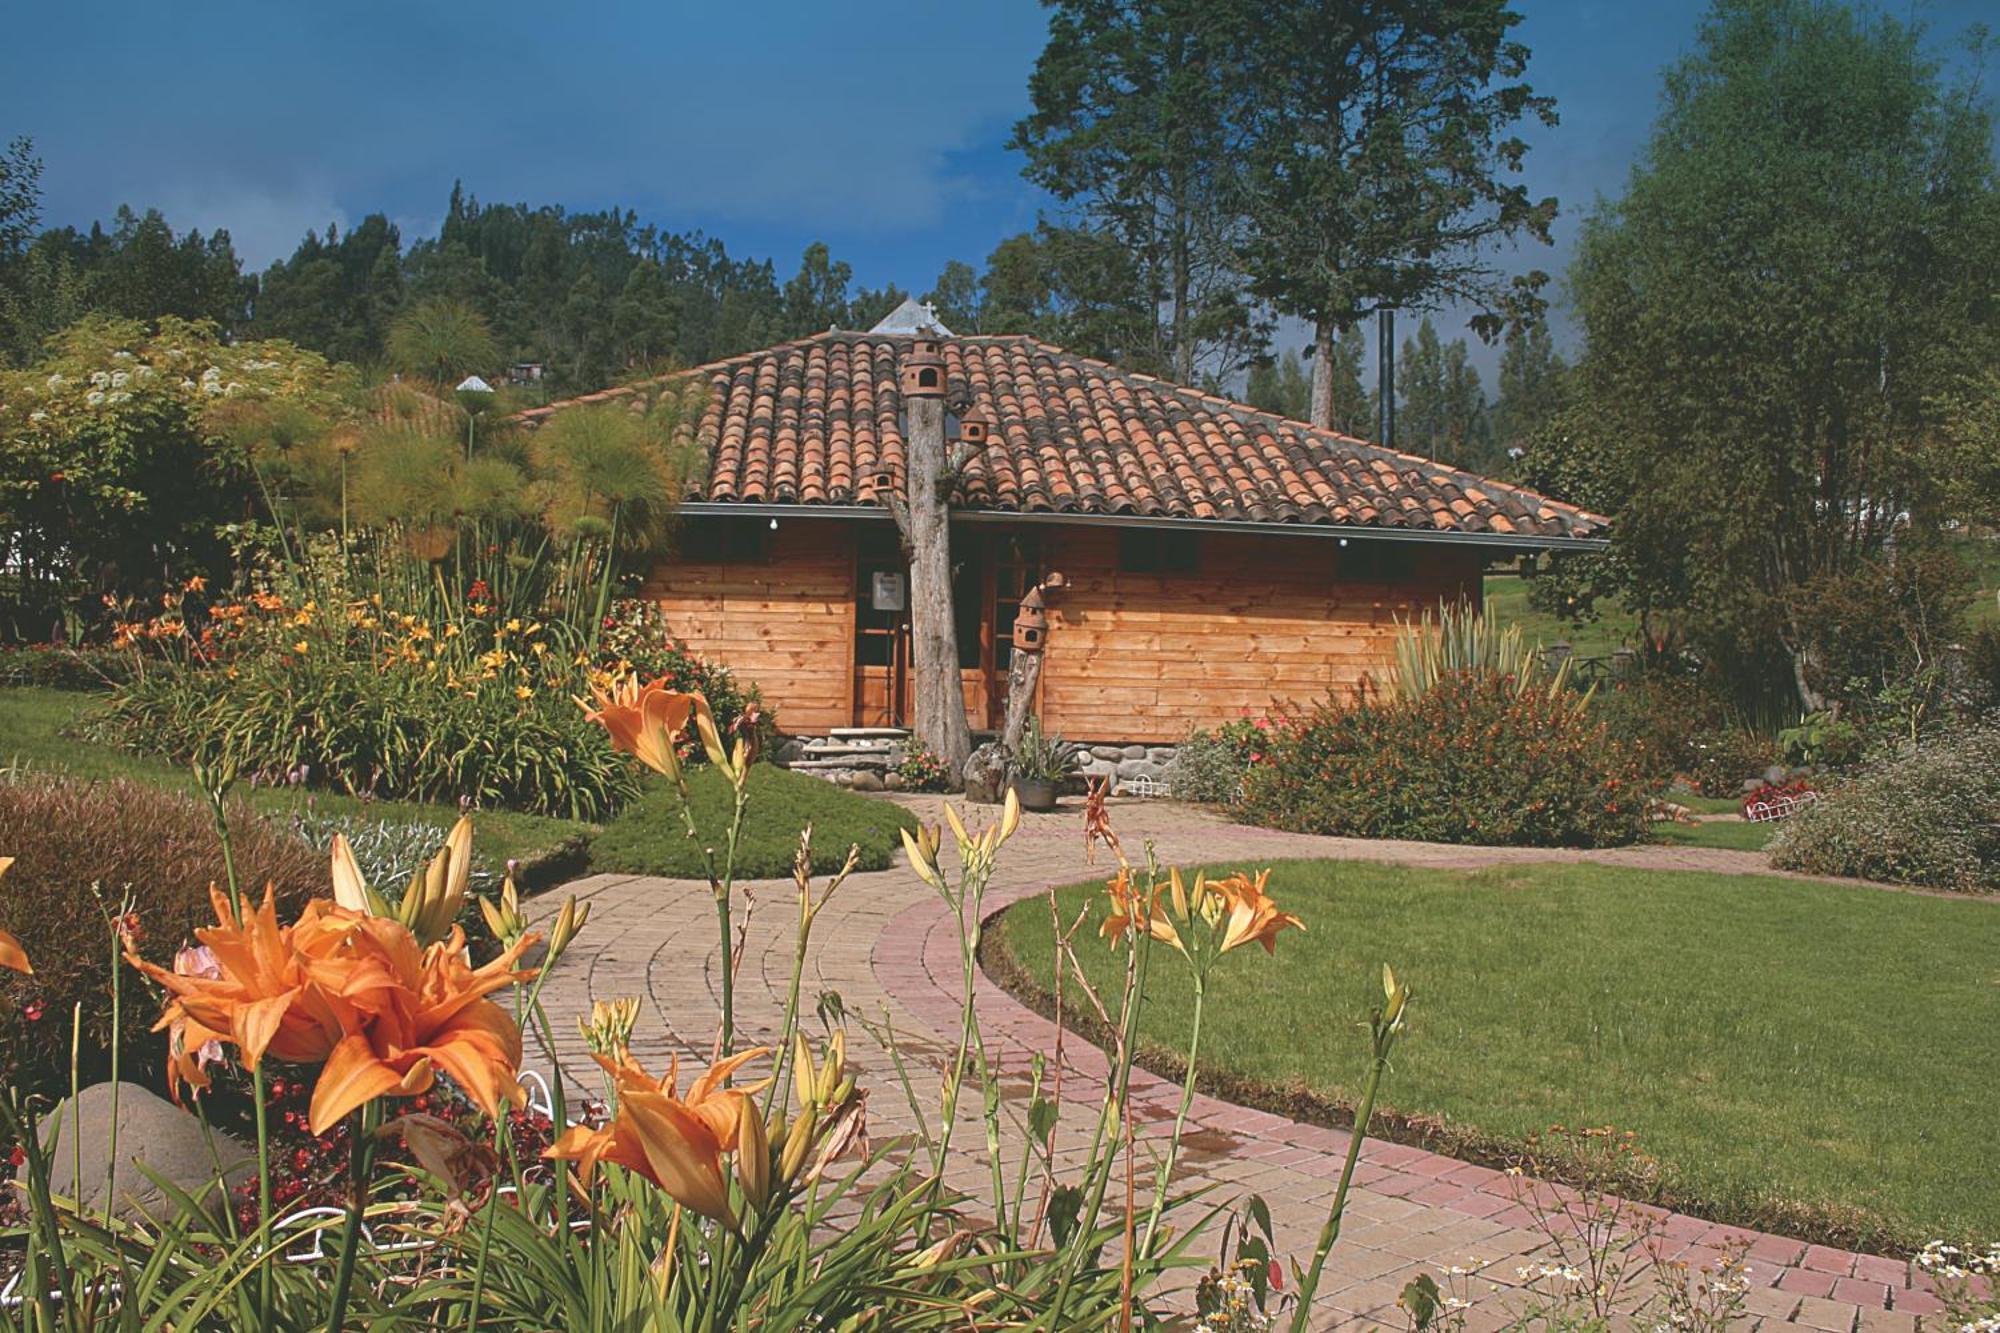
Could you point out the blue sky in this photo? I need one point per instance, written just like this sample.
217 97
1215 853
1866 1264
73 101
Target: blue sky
875 125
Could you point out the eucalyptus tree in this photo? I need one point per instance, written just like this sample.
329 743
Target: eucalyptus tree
1379 141
1130 128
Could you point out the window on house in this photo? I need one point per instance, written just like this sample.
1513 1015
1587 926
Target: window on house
1158 551
1361 561
725 541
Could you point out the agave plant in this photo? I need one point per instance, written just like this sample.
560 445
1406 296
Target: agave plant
1462 639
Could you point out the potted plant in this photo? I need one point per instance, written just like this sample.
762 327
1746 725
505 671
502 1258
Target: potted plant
1039 767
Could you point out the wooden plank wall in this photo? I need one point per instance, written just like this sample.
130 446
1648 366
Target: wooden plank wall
786 624
1262 624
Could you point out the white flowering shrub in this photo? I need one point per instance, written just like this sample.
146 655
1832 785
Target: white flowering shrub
1931 817
126 448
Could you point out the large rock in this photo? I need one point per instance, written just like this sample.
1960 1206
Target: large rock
154 1136
986 775
864 780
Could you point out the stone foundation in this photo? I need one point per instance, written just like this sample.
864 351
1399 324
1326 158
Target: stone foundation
865 758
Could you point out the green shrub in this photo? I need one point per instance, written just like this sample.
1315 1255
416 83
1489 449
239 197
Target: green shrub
1665 714
60 667
1931 817
650 836
1726 758
68 836
341 722
1209 766
1474 759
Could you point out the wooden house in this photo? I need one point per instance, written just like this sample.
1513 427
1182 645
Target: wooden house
1219 560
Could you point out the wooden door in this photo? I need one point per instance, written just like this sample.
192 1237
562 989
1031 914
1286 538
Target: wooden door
881 636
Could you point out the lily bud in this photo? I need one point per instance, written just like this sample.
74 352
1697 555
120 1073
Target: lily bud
957 829
505 919
922 848
831 1070
568 922
436 893
1396 997
1010 814
798 1142
350 890
1180 895
753 1153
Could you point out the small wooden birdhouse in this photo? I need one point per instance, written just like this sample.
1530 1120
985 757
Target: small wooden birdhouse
922 373
975 429
1031 624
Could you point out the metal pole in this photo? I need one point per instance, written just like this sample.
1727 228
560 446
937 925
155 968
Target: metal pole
1385 377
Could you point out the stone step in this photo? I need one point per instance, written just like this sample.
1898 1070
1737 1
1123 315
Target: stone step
879 762
869 733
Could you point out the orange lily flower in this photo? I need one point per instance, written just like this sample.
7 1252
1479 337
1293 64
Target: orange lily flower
1252 914
11 953
263 997
645 720
433 1015
1130 913
677 1145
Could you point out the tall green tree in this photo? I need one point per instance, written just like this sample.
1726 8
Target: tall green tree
816 297
20 197
335 294
1280 386
1380 145
1798 273
1531 385
1130 128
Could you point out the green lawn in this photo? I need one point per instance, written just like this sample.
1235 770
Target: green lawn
650 836
1803 1056
1735 834
1507 599
1982 557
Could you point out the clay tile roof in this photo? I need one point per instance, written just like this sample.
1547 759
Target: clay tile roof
815 422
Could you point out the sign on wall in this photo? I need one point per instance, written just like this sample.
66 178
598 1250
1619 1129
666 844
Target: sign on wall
889 590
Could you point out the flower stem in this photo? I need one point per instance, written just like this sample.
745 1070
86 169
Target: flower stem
1180 1118
500 1136
1330 1231
357 1206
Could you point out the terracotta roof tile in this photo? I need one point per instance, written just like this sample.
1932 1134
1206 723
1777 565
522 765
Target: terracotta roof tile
815 422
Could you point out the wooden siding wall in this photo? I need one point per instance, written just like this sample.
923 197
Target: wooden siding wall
786 623
1264 622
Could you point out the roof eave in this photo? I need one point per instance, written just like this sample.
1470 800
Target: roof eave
1514 541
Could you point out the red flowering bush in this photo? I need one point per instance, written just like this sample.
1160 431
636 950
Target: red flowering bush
636 639
1775 800
1470 760
311 1170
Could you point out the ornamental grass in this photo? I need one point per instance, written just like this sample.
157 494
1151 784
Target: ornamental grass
749 1195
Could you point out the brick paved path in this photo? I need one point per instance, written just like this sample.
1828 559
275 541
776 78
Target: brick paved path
888 947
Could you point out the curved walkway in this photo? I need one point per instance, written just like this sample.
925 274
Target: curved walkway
887 946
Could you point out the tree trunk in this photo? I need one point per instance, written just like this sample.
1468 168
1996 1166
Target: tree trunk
940 700
1022 677
1322 386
